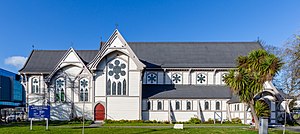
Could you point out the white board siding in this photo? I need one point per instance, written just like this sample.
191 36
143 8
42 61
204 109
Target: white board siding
99 99
71 57
100 84
119 108
210 78
60 111
134 83
132 65
184 116
157 115
35 99
185 77
88 110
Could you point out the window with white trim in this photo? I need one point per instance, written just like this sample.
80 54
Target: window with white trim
201 78
35 85
84 90
159 105
188 105
177 78
117 77
218 105
206 105
60 87
177 105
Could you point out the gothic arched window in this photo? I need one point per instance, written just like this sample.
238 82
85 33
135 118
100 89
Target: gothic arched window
35 84
159 105
177 105
217 105
117 75
84 89
188 105
60 87
206 105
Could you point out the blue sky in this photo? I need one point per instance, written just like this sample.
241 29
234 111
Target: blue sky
60 24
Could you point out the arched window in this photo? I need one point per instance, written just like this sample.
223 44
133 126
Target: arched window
159 105
119 88
35 84
206 105
177 78
177 105
148 105
108 88
188 105
60 85
84 89
117 75
124 87
201 78
217 105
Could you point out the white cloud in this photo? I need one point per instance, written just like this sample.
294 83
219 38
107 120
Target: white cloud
17 61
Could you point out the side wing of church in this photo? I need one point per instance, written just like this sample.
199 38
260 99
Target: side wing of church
163 81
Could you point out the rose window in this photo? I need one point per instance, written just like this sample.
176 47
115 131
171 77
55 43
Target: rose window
117 69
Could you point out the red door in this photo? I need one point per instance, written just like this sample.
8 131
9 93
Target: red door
99 112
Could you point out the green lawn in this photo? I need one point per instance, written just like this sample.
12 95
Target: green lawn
158 124
108 130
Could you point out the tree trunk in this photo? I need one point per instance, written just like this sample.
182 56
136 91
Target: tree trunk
254 114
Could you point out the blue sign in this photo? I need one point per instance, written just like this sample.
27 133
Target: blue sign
39 112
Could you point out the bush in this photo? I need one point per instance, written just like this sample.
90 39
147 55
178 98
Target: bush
194 121
210 121
236 120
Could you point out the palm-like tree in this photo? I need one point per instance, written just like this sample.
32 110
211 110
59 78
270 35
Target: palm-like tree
252 72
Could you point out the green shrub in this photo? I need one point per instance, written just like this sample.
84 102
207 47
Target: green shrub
210 121
194 121
236 120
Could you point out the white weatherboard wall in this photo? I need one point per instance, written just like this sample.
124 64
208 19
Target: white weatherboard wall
134 83
119 108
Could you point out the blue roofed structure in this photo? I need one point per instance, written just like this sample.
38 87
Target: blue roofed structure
12 92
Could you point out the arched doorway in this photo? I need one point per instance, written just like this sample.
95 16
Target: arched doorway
99 112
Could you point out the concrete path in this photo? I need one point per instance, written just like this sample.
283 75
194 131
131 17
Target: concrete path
291 128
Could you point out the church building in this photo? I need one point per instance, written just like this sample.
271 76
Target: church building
163 81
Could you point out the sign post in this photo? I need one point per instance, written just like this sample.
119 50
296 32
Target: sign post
39 112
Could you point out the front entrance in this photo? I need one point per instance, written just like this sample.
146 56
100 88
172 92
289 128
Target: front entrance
99 112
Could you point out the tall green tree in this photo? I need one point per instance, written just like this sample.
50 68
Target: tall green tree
252 72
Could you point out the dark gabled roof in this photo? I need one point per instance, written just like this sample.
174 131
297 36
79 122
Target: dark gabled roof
156 55
44 61
185 92
191 54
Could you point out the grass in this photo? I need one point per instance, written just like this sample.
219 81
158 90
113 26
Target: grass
78 130
65 127
161 124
